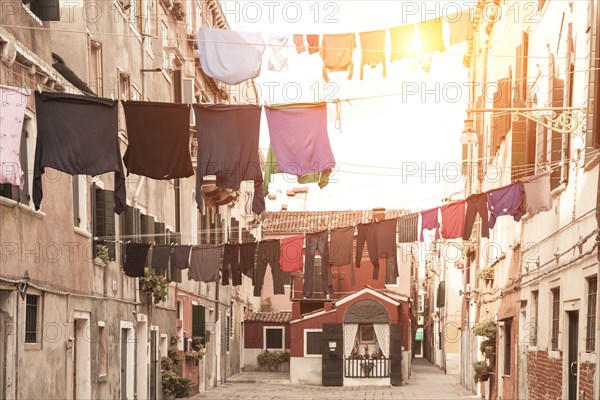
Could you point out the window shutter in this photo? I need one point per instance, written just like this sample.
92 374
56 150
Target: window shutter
129 227
76 217
147 225
479 122
199 322
556 93
441 294
159 230
104 218
501 119
46 10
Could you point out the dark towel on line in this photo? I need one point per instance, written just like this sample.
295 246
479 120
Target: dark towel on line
77 135
135 259
381 243
160 258
340 246
181 256
247 258
159 140
408 228
228 147
205 263
476 204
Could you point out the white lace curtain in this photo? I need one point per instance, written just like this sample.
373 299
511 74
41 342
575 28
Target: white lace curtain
382 332
349 338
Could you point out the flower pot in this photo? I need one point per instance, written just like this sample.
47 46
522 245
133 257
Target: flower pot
484 376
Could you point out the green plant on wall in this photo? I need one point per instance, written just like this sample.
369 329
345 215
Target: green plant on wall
102 253
487 329
174 385
482 371
155 284
272 359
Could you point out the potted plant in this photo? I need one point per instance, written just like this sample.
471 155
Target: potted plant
482 371
272 360
487 329
173 385
156 285
102 253
367 367
486 273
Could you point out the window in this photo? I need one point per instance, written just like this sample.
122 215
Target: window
136 95
79 201
507 345
31 318
95 67
102 350
274 338
165 43
104 219
421 303
45 10
312 342
366 334
590 339
189 16
555 317
199 323
14 192
179 309
534 317
124 86
228 333
198 14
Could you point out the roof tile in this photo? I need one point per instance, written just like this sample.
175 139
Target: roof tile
280 317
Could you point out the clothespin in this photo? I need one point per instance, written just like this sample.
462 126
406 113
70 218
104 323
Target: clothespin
39 88
25 87
112 96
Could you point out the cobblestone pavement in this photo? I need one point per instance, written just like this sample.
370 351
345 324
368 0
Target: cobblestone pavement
425 383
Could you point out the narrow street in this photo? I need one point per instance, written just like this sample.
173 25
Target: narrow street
426 382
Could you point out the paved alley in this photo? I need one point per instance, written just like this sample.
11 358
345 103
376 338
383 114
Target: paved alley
426 382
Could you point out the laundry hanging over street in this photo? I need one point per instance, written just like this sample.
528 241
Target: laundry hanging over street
217 199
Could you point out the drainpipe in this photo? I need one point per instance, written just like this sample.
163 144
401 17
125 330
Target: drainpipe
17 348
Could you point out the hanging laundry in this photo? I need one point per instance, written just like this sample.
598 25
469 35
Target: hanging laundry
159 140
538 195
77 135
430 36
205 262
279 57
291 254
231 265
341 242
299 43
408 228
506 200
229 56
181 256
272 167
160 258
228 148
336 52
12 114
381 243
314 242
269 252
313 43
135 259
429 220
461 27
403 42
175 275
300 139
247 259
476 204
453 220
372 47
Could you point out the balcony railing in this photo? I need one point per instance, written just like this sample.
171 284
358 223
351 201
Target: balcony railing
367 368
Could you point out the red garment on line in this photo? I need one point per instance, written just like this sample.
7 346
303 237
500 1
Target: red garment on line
291 256
453 220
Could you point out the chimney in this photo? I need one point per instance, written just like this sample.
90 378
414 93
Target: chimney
378 214
284 207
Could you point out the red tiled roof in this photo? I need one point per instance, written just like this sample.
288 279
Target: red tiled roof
317 221
280 317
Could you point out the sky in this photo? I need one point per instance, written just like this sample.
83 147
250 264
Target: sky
400 147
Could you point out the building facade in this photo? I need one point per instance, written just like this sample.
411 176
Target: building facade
536 279
63 309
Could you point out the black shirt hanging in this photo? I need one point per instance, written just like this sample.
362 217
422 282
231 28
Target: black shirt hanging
159 140
135 259
77 135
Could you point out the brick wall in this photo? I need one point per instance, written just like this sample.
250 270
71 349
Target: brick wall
586 379
544 376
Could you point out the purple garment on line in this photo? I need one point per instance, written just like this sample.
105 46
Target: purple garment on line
506 200
299 138
429 220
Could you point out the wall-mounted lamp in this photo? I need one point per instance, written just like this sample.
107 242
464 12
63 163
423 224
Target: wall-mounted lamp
332 347
23 285
469 136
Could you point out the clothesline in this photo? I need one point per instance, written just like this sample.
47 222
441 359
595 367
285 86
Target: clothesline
87 32
478 116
